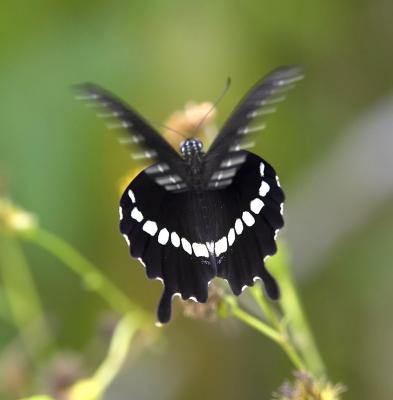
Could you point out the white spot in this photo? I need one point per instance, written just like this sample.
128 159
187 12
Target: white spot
256 278
262 168
130 139
145 154
231 236
244 287
108 114
121 124
168 179
126 239
224 174
200 250
221 246
248 218
131 195
278 181
282 208
236 160
177 186
242 146
87 96
256 205
247 130
186 245
175 239
272 100
193 299
150 227
120 213
276 233
239 226
159 279
163 236
265 258
157 168
177 294
264 189
136 214
141 261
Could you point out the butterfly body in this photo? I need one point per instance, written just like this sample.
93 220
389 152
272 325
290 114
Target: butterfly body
191 150
194 216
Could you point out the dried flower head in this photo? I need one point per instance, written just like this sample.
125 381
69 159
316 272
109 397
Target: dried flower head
306 387
188 119
64 370
206 310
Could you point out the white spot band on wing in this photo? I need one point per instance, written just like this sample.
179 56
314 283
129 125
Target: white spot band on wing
136 214
256 205
175 239
150 227
163 236
131 195
231 236
186 246
264 189
221 246
262 168
239 226
248 218
200 250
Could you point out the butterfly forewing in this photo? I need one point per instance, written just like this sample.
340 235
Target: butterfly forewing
247 119
170 171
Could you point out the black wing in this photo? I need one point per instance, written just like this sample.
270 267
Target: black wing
186 239
170 170
224 156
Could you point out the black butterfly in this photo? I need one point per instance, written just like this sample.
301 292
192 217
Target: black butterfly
193 216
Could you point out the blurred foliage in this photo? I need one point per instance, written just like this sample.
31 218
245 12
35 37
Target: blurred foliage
59 162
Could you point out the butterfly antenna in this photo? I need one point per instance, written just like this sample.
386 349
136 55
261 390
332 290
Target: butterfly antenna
226 87
172 130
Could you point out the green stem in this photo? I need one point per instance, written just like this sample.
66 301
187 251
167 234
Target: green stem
117 354
89 273
265 307
281 340
22 297
293 312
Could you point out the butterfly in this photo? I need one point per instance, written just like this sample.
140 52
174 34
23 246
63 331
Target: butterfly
193 215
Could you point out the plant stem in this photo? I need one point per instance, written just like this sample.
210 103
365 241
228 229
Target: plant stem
280 339
262 302
89 273
294 314
22 297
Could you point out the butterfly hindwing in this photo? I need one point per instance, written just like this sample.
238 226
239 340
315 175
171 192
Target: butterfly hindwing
251 213
162 231
185 239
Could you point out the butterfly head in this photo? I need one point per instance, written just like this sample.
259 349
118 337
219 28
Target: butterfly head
191 147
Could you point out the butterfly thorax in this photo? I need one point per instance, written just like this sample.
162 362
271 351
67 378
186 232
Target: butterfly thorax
191 150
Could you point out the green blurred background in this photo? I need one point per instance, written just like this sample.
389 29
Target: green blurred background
330 143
